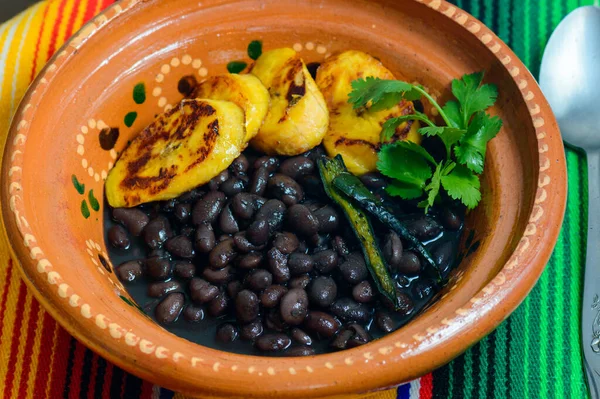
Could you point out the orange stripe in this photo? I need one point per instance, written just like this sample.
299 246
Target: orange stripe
28 361
57 24
10 318
38 43
5 293
12 360
24 343
90 10
78 17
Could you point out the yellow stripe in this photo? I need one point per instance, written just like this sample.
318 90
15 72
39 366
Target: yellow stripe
80 14
7 331
64 23
23 334
46 34
35 353
54 350
98 7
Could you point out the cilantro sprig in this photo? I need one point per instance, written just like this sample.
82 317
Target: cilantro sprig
465 133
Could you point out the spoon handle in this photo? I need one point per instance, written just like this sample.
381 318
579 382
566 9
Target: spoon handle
590 319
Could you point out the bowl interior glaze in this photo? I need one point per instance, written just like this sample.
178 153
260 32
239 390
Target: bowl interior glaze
64 140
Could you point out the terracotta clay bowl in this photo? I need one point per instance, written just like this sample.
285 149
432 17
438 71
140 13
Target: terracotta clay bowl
124 67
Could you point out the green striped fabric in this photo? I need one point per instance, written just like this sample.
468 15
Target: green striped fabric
536 352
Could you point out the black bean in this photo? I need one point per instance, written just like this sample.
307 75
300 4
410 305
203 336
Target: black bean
191 196
322 291
297 166
201 291
118 237
180 246
424 228
392 249
218 305
409 263
227 222
384 321
243 245
301 281
294 306
273 342
315 154
278 265
325 261
422 289
205 238
362 292
300 263
349 310
321 323
300 336
268 162
207 209
285 189
246 306
313 185
300 351
259 279
184 269
258 232
234 288
405 304
168 310
252 330
220 276
219 179
300 219
258 184
251 260
373 180
132 218
451 219
157 231
286 242
158 290
271 296
188 231
319 242
153 209
169 205
328 219
130 271
182 212
341 339
233 186
239 165
273 212
442 255
158 268
193 313
274 321
226 333
339 245
354 269
302 247
222 254
350 337
243 205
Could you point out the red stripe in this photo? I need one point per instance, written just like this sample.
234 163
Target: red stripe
106 3
5 293
93 372
426 391
89 12
59 365
75 383
107 380
57 23
27 354
146 390
14 345
37 44
72 17
43 371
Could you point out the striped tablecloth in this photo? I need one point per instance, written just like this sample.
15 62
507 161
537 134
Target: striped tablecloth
534 354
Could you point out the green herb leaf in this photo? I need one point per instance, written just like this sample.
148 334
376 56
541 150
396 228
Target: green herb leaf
407 162
472 146
432 189
236 66
448 135
378 94
80 187
254 49
389 127
139 93
404 190
462 184
471 97
130 119
452 111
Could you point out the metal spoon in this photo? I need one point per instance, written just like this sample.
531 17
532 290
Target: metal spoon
570 79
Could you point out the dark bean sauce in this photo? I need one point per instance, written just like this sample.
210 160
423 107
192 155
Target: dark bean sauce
259 261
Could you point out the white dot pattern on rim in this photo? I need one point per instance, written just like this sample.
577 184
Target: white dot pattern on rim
169 68
375 351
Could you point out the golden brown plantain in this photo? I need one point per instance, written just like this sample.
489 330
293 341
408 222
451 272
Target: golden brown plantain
355 134
181 149
247 91
298 117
